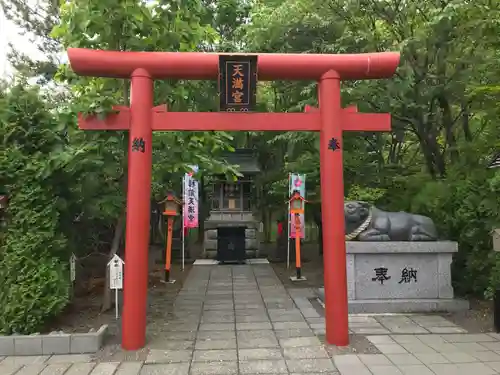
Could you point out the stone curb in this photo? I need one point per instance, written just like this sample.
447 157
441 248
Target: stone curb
53 343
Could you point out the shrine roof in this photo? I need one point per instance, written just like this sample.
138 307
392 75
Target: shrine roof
245 159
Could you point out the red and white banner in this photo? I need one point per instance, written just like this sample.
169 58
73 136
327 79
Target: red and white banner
297 182
190 200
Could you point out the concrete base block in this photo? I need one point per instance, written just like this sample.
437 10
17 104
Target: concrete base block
91 342
6 345
53 343
168 282
294 278
28 345
381 306
58 343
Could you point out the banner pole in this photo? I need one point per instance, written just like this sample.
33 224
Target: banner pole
288 226
183 213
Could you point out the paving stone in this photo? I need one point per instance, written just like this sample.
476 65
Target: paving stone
9 369
432 320
220 306
432 339
299 341
218 319
215 355
248 306
252 318
479 337
290 325
305 352
444 368
370 331
494 365
176 327
216 335
446 330
55 369
459 357
259 353
263 367
310 313
262 342
475 368
81 369
33 369
24 360
128 368
470 347
181 335
70 358
374 359
362 319
391 348
431 358
405 339
491 345
167 344
416 370
253 326
169 356
403 359
217 327
385 370
444 347
310 365
381 339
215 344
418 348
105 368
488 356
257 334
251 312
168 369
294 332
212 368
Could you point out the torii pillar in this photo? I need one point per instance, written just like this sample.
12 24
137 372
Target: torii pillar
141 119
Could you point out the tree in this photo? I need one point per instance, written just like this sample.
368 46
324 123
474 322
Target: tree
37 22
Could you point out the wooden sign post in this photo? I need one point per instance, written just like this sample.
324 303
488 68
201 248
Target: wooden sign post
116 278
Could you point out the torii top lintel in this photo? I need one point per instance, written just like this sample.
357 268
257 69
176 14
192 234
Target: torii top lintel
201 65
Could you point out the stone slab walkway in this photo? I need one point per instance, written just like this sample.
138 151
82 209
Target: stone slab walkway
240 319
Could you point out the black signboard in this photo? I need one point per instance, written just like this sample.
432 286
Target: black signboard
237 82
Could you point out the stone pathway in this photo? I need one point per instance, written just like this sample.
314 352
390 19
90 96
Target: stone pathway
240 320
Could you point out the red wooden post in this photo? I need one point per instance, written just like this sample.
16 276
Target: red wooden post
332 210
135 287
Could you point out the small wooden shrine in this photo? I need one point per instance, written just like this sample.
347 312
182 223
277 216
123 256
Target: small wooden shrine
231 229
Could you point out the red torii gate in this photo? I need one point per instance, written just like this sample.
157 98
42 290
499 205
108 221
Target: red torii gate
141 119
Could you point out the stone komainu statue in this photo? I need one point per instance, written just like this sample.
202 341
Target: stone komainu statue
365 222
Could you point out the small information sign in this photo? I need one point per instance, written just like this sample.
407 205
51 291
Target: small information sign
116 273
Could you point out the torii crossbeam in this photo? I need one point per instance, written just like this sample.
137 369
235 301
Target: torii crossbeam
141 119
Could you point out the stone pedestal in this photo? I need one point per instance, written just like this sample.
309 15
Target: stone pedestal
251 242
400 277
